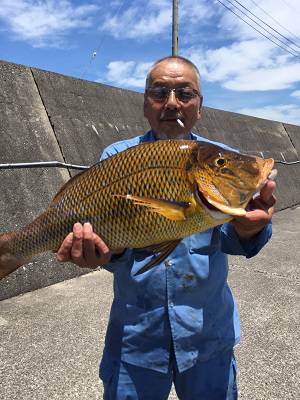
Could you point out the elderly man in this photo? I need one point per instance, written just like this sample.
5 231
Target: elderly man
177 322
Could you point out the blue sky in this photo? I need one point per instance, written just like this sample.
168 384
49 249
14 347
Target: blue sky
115 42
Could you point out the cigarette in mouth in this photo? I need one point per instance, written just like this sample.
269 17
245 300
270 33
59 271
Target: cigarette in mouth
179 122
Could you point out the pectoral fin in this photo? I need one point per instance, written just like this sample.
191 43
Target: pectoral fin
174 210
163 250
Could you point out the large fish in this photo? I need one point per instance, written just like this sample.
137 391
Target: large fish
151 195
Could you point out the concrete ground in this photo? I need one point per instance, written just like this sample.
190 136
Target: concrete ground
51 339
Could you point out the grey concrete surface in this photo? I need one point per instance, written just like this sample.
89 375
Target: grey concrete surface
47 116
27 135
88 116
52 338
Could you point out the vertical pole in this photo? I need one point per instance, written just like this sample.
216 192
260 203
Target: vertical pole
175 38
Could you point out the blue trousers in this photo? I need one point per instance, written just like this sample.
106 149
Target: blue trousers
214 379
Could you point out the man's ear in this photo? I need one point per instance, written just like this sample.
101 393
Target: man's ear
200 108
145 106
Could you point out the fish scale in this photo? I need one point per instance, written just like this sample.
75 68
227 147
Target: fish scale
143 196
93 190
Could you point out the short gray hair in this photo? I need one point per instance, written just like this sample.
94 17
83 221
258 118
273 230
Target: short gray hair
183 60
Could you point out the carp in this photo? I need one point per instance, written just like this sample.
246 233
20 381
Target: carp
149 196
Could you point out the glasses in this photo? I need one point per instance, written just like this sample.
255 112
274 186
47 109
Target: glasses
161 93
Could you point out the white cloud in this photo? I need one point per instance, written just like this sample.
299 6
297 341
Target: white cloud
43 23
267 11
127 73
276 78
140 21
250 65
153 18
289 113
296 93
225 62
193 12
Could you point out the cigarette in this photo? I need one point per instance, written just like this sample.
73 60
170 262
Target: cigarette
179 122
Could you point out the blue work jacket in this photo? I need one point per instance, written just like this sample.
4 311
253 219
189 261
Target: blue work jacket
184 302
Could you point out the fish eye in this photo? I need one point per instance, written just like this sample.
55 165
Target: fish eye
220 162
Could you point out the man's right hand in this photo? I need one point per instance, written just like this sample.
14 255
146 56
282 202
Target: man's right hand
84 248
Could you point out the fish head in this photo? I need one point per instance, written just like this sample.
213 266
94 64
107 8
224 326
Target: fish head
226 180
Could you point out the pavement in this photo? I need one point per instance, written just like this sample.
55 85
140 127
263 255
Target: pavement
51 339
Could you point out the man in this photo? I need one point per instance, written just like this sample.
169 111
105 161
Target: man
177 322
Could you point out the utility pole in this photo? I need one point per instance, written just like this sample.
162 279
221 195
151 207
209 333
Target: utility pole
175 37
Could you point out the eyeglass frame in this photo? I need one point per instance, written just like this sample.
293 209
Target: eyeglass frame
169 90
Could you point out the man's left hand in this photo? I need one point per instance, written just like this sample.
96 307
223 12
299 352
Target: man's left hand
259 213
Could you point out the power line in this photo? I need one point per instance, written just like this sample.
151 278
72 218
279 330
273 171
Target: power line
278 33
266 30
257 30
275 20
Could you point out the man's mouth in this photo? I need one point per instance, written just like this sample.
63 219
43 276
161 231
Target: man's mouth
172 118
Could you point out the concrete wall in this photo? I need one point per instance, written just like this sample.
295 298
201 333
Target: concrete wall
46 116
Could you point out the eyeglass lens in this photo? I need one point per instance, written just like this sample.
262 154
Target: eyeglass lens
160 93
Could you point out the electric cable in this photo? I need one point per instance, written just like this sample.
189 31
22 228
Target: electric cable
275 20
269 26
278 45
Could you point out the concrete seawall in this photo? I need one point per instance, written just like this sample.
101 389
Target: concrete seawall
46 116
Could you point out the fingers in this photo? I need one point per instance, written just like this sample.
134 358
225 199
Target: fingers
84 248
259 213
77 247
266 193
64 252
101 248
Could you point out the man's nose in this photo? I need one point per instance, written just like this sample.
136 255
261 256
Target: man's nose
171 101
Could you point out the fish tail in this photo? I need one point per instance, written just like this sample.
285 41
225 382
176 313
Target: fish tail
9 262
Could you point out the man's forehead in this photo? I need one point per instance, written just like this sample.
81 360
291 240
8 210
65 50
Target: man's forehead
173 69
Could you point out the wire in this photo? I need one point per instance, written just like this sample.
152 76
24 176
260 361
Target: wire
287 162
269 26
270 33
278 45
275 20
100 44
42 164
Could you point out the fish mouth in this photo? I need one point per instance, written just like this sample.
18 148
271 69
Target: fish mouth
210 208
217 209
220 210
272 175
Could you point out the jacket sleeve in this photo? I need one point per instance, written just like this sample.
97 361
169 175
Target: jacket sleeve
232 244
118 260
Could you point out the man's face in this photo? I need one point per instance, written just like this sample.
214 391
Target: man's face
163 115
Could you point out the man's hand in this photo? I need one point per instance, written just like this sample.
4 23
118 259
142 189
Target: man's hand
84 248
259 213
